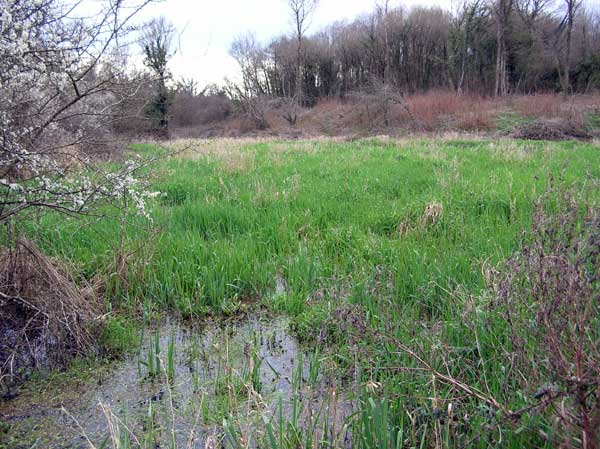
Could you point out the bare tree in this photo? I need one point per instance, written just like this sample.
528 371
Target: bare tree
462 27
531 14
302 11
531 10
382 10
157 43
251 95
189 86
251 58
502 10
571 7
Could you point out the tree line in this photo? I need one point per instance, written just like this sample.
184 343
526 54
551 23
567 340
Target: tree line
488 47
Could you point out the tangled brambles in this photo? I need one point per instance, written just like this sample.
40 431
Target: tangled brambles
45 319
549 295
552 130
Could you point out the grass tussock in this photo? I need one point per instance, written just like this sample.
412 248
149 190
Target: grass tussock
45 318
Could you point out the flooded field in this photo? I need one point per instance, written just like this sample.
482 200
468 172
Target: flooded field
187 386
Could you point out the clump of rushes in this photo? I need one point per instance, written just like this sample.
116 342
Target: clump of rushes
171 359
152 362
373 429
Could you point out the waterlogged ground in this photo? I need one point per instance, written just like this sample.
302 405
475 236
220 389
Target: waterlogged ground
371 247
243 370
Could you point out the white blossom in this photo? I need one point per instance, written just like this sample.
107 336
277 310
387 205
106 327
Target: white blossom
52 89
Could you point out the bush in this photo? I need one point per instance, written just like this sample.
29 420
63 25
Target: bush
549 295
196 110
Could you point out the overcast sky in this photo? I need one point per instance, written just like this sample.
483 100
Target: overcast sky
207 28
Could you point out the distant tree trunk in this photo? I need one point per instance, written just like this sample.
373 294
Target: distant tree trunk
469 10
502 10
463 59
382 11
299 87
387 71
500 80
584 39
301 12
569 18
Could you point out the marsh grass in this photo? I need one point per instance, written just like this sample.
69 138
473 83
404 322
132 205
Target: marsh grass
365 244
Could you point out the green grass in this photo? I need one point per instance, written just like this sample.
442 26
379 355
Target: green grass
329 213
344 223
118 336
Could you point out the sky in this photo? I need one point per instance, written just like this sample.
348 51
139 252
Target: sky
206 28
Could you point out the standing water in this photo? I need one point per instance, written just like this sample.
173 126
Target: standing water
184 383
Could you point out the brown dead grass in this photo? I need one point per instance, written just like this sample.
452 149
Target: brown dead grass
556 106
367 114
442 110
45 318
433 213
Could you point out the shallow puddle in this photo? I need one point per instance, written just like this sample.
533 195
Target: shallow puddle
179 387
